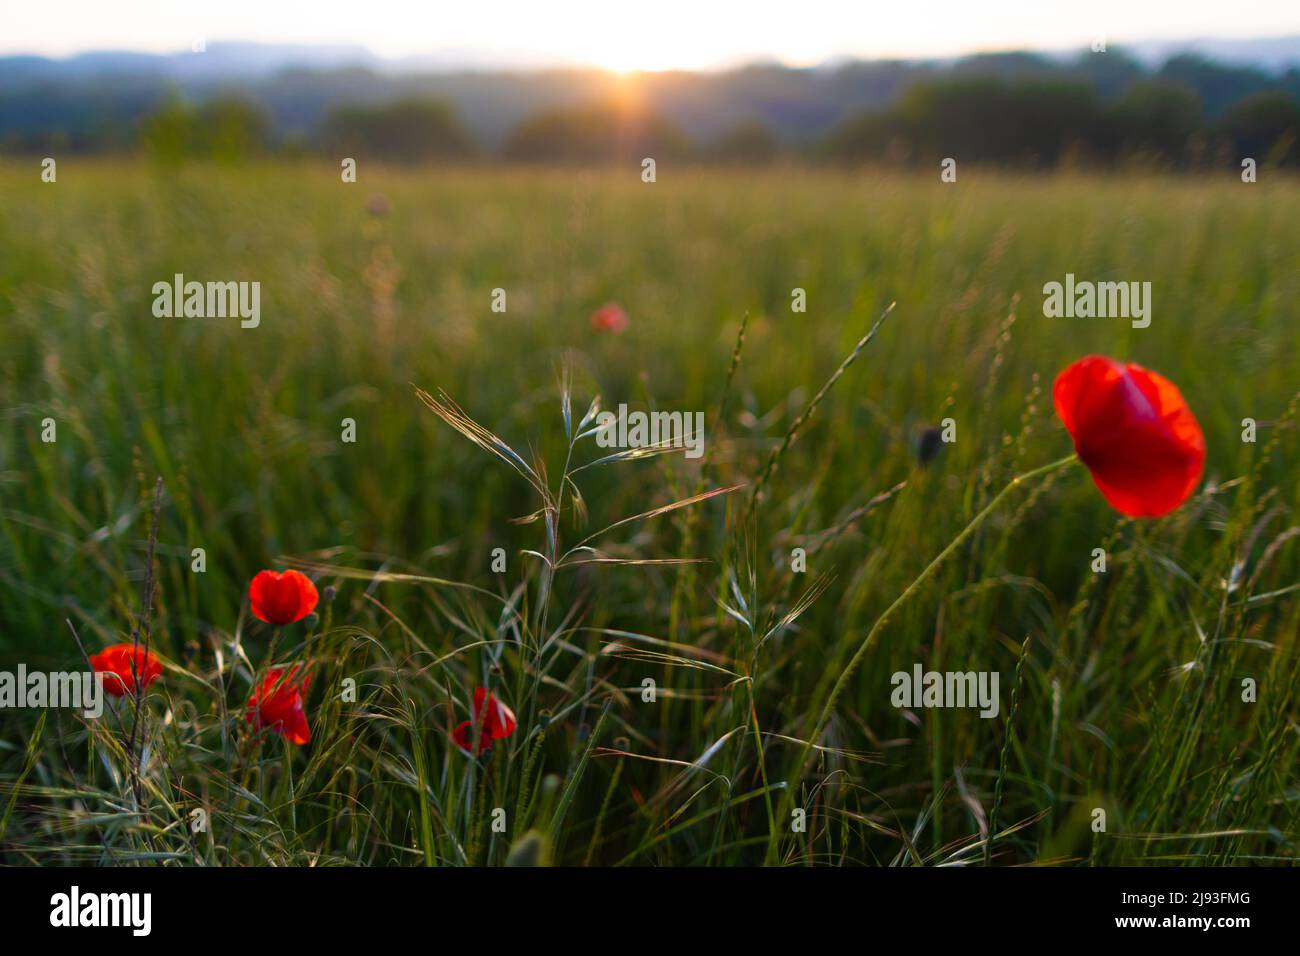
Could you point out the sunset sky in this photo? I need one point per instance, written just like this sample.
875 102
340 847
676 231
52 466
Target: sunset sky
651 34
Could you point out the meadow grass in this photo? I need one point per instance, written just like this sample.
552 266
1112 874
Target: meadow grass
771 687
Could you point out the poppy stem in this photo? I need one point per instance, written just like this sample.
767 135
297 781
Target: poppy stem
813 732
270 650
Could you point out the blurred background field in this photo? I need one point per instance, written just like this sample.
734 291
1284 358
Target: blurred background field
1131 683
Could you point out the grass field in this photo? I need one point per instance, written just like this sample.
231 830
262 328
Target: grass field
1120 691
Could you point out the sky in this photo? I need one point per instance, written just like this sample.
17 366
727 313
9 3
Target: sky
635 34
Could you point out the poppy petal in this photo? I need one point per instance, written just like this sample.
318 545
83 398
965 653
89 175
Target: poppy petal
279 703
499 721
1134 431
281 599
461 737
121 664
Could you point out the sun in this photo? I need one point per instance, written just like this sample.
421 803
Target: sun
632 57
652 45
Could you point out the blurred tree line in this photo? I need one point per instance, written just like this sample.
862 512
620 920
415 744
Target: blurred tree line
1006 109
1043 124
1014 122
226 129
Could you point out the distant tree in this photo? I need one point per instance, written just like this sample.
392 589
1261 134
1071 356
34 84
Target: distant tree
747 143
406 130
230 129
1265 126
167 134
875 136
1290 81
227 129
1016 64
1156 119
1036 122
1109 74
595 134
978 119
1218 85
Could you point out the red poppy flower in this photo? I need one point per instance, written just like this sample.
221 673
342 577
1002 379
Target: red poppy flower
1134 431
496 721
282 598
500 720
280 703
116 662
461 738
610 317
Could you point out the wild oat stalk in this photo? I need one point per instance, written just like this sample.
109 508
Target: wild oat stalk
1006 751
813 731
779 452
144 624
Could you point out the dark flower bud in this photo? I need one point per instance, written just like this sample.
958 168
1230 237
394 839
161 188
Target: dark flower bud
928 445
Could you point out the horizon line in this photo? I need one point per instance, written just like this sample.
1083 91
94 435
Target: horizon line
488 60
